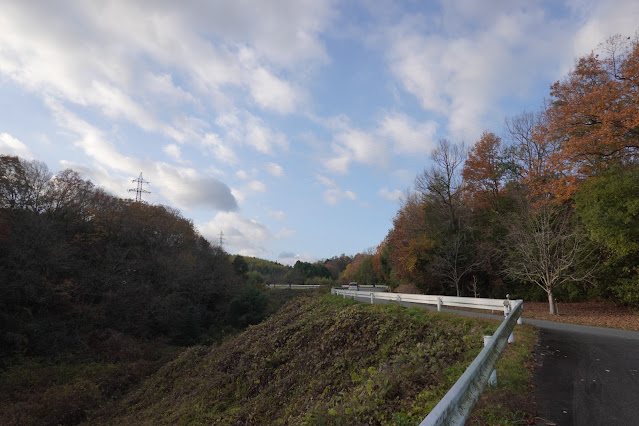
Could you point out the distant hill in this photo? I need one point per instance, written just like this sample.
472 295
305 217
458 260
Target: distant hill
264 266
321 361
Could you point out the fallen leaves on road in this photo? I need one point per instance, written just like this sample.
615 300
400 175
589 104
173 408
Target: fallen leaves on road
594 313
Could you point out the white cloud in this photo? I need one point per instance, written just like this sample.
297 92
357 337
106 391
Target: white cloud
262 138
396 133
12 146
246 129
257 186
145 66
407 136
273 93
274 169
290 258
162 84
173 151
362 147
335 195
602 20
326 181
479 56
394 195
353 145
220 150
244 236
181 186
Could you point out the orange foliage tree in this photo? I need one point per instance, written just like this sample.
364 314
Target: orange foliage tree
483 171
410 246
594 112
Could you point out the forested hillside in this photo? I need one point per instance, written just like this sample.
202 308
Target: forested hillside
79 267
96 292
546 208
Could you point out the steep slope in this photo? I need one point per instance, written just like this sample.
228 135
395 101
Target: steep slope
319 360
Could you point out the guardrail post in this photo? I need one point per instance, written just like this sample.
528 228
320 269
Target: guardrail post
372 297
492 381
520 321
507 305
440 301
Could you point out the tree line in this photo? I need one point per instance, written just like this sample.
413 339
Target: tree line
548 207
80 267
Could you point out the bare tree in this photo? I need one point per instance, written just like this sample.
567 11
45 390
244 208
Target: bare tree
443 182
455 261
442 188
474 285
23 183
545 248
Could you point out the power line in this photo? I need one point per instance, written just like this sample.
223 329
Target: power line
139 190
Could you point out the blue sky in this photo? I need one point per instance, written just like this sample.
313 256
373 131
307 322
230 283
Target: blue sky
291 126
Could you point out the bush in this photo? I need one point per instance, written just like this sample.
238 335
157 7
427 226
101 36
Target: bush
248 308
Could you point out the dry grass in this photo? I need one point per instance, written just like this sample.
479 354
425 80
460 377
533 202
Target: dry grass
594 313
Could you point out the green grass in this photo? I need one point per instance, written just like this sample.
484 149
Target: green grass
511 401
318 361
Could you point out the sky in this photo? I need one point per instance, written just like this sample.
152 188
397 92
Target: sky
290 128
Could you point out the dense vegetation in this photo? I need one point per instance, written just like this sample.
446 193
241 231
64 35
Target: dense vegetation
547 209
262 271
79 267
97 292
328 361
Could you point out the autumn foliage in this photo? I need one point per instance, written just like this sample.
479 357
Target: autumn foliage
594 113
559 164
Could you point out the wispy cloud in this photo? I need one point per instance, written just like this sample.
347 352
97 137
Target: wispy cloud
11 145
241 235
394 195
334 194
182 186
274 169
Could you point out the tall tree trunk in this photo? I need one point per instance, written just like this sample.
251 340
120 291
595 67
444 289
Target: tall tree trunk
551 303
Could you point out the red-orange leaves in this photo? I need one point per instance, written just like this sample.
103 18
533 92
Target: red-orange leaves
594 112
482 171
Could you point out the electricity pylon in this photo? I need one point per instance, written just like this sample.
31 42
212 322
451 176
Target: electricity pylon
139 190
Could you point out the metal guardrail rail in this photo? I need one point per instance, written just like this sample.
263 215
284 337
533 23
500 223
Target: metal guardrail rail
455 407
294 286
307 286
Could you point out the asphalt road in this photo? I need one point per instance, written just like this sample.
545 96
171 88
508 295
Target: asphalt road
585 375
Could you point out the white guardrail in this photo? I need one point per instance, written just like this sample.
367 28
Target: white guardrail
455 407
307 286
294 286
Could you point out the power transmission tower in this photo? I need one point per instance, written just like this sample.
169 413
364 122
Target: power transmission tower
139 190
221 238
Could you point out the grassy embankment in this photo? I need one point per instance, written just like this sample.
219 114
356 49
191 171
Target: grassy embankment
328 361
70 386
317 361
